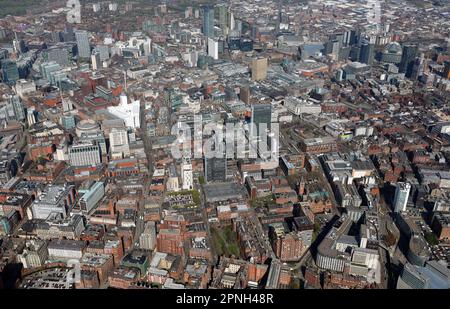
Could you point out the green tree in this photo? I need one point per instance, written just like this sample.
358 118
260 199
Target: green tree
431 238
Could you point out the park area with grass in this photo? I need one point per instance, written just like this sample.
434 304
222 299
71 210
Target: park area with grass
262 201
225 241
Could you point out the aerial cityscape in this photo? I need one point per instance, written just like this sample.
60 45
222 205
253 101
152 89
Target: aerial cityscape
237 144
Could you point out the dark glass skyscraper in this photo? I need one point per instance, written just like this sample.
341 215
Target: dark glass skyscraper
367 53
215 169
10 71
208 21
261 113
355 53
408 57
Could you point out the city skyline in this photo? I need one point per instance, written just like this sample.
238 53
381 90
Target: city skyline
225 145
